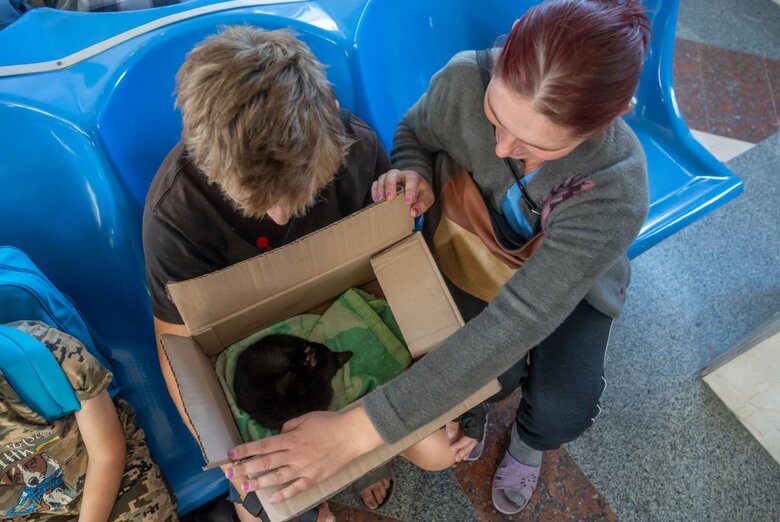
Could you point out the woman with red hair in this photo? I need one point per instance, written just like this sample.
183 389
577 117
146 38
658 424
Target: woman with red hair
540 188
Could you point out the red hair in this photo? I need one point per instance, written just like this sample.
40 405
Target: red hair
578 60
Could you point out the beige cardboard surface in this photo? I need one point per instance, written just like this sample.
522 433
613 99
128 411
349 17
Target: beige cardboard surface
225 306
296 300
359 467
417 293
204 402
206 300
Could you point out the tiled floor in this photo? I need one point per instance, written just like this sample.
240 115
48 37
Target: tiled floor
564 493
727 93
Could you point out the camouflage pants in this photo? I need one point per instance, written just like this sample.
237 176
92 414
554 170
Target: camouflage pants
143 494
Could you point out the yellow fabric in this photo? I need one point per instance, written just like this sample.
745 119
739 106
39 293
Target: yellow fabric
466 261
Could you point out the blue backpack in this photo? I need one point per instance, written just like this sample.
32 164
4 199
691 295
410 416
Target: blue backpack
26 294
35 375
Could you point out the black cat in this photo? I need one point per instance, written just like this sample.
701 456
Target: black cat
281 377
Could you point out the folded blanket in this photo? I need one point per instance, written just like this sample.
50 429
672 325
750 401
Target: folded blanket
356 322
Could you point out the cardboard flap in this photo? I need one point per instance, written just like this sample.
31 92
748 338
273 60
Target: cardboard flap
205 300
201 393
417 294
290 302
360 466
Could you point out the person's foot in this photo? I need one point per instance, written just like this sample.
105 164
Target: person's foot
513 485
375 488
375 494
325 514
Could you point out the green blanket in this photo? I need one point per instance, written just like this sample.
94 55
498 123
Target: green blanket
357 322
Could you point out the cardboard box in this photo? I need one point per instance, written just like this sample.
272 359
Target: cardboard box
375 244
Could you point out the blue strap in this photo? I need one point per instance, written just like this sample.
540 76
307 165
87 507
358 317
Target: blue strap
35 375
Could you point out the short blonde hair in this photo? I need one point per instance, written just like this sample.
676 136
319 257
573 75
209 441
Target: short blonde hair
260 119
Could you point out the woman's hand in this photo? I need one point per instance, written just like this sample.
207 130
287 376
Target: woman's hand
418 193
310 449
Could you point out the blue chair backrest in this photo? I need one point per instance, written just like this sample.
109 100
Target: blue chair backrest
35 375
81 140
27 295
686 181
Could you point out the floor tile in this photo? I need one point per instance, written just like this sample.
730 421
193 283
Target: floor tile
773 74
688 86
727 93
564 492
724 149
744 25
737 94
345 513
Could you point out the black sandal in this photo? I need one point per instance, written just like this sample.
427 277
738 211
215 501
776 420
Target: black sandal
474 423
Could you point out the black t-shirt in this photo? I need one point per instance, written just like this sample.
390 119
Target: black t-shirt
191 229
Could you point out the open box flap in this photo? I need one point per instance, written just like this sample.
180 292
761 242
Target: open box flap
204 402
417 294
205 300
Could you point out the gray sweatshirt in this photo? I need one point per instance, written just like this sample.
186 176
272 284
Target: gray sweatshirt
594 203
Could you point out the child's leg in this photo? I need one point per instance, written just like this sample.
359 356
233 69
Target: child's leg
433 453
143 488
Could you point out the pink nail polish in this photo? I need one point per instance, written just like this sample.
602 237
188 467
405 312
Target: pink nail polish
230 473
388 194
232 454
245 486
415 212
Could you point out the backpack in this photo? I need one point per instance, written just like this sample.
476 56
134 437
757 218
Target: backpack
26 294
35 375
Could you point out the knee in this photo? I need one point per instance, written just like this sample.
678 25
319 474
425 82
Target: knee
565 416
433 453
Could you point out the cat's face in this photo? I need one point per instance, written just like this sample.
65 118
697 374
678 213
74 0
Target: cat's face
282 376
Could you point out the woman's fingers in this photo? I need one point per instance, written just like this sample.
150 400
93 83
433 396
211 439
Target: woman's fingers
296 488
378 189
418 192
258 465
411 183
425 197
301 456
391 182
258 447
271 478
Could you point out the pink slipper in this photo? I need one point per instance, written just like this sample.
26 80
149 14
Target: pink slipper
514 476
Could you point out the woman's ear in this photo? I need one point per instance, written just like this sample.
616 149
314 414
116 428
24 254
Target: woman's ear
626 109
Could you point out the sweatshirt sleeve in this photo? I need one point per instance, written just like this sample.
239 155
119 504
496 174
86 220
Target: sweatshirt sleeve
586 234
424 129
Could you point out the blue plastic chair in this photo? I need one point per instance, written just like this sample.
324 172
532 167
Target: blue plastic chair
82 138
686 181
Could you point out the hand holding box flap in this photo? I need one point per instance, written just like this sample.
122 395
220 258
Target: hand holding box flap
208 299
205 404
417 293
357 468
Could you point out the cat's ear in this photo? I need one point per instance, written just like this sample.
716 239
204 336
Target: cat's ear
343 357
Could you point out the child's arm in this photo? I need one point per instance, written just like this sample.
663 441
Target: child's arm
105 442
